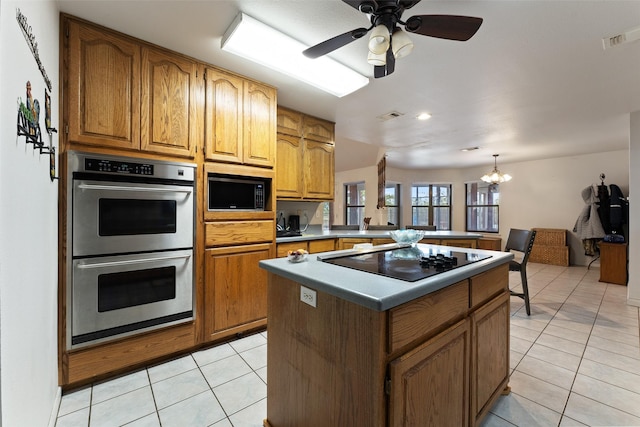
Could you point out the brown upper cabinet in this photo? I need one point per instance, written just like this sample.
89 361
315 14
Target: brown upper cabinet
125 95
169 113
306 157
239 120
103 77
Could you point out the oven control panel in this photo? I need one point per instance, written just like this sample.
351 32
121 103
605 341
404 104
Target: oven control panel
115 166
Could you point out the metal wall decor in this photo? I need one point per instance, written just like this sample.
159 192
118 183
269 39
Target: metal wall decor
29 110
33 45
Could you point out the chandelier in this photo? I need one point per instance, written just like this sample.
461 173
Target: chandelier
495 176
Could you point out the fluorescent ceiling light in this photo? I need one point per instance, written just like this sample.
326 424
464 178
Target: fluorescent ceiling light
253 40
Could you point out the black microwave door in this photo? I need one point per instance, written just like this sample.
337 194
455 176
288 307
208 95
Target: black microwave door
231 195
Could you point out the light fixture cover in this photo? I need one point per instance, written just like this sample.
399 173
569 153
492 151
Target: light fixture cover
253 40
495 176
401 44
379 39
374 59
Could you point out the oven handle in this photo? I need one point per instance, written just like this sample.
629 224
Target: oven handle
122 188
131 261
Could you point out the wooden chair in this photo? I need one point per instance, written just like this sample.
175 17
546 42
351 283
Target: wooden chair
422 227
521 241
344 227
383 227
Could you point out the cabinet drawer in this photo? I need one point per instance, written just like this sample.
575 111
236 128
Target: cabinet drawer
325 245
426 315
347 243
377 242
486 285
283 248
460 243
430 241
227 233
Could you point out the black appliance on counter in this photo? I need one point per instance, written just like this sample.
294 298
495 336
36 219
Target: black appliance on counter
404 262
294 223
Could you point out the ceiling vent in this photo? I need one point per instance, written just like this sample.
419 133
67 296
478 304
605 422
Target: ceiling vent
622 38
390 115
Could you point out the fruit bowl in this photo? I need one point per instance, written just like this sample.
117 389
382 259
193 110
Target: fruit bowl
407 236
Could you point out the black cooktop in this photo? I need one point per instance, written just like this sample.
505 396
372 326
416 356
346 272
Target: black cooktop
409 263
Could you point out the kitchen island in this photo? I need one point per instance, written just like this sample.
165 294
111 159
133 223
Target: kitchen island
350 348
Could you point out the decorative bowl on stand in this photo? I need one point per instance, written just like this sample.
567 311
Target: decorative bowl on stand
407 236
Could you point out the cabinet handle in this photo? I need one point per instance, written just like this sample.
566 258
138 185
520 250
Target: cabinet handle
131 261
122 188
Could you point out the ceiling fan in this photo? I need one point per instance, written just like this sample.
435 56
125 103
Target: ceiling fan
387 41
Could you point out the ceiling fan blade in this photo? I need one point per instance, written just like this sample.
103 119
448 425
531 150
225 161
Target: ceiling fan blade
380 71
451 27
334 43
408 4
369 5
391 61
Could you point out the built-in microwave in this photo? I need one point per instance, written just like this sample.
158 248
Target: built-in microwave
237 193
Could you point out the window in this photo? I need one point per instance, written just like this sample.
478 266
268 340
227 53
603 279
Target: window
482 207
431 205
354 203
392 202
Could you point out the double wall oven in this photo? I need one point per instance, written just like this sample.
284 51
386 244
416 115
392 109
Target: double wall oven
130 223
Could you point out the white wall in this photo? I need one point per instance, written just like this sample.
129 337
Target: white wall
634 210
542 193
28 224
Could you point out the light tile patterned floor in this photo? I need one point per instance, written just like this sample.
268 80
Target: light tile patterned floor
575 361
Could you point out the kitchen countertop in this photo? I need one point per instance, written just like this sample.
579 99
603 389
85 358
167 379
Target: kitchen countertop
375 234
372 290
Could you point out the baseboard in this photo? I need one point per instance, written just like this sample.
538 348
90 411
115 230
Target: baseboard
633 301
56 406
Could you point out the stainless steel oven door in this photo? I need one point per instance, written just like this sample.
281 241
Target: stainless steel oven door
115 296
118 217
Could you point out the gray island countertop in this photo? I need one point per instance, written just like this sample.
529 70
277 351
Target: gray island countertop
372 290
372 234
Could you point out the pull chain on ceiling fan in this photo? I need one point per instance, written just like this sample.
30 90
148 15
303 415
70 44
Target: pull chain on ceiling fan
388 41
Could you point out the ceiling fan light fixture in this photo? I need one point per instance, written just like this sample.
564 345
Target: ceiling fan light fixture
257 42
401 44
379 39
377 60
495 176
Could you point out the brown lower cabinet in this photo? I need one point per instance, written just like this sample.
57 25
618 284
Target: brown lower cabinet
311 246
348 242
235 294
439 360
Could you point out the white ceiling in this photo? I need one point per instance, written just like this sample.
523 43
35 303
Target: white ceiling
533 83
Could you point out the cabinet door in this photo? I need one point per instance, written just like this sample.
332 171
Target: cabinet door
103 74
259 124
289 122
168 111
235 286
289 173
490 346
318 130
223 116
430 384
318 170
